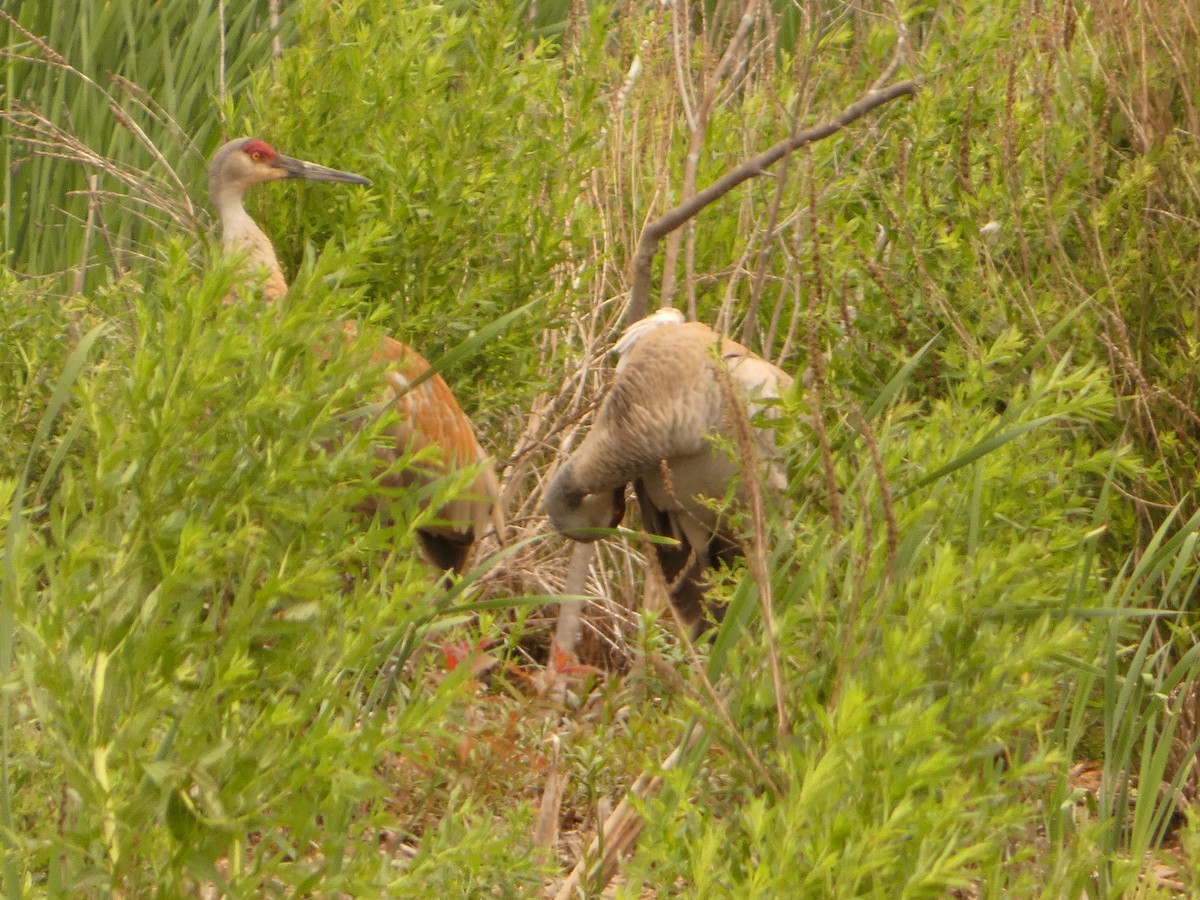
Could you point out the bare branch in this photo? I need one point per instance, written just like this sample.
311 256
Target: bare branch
672 219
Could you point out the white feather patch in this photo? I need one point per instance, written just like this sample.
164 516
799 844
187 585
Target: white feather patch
643 327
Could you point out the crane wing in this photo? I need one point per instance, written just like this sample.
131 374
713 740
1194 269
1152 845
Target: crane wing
431 416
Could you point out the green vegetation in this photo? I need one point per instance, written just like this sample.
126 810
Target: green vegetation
222 678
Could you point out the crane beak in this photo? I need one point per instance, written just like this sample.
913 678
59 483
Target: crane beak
298 168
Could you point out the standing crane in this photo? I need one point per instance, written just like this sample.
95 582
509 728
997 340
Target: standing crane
429 414
656 429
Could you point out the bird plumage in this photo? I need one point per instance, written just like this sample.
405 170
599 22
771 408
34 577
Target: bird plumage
656 430
429 413
431 417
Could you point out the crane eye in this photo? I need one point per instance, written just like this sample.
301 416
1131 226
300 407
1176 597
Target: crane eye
256 156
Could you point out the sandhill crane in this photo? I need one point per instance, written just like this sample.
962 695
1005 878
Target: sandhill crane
655 429
429 414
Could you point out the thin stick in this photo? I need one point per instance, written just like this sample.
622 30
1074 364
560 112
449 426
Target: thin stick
697 118
221 66
756 554
621 829
273 24
545 833
89 227
672 219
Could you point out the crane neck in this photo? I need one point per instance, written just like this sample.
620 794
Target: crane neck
240 233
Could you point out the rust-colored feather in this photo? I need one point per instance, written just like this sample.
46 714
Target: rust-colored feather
430 413
431 417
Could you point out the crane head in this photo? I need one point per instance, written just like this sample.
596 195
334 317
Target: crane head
245 162
579 515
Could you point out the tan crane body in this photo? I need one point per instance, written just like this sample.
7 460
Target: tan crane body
429 414
656 429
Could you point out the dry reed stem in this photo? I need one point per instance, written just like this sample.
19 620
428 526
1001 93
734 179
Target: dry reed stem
733 277
222 97
545 832
49 139
760 263
653 232
656 585
89 227
133 128
789 287
620 830
697 117
756 554
53 57
154 110
816 366
796 293
273 24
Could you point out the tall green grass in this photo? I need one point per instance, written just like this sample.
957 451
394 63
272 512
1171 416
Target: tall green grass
920 677
138 85
200 613
479 150
218 673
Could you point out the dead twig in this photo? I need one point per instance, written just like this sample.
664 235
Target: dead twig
620 830
545 833
656 230
755 552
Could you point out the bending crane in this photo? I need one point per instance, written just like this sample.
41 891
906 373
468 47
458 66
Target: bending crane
656 429
429 414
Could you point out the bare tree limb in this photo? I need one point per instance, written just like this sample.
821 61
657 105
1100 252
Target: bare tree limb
655 231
